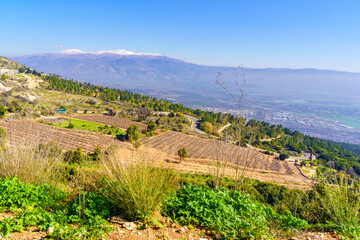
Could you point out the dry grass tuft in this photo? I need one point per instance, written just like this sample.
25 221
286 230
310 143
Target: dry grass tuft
135 185
31 164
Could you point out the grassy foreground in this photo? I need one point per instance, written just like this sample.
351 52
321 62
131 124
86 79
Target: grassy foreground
74 199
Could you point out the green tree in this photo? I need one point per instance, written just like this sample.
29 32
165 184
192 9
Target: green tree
284 156
3 77
12 108
97 155
21 70
206 127
311 153
2 111
76 156
132 133
151 127
182 153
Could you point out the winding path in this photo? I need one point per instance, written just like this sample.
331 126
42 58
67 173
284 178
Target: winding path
223 128
194 121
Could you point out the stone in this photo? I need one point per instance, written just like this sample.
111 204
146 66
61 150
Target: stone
139 233
316 236
130 226
50 230
118 219
181 230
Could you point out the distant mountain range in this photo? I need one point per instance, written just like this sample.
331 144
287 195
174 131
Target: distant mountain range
193 84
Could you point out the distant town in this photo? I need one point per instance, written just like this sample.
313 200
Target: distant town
312 126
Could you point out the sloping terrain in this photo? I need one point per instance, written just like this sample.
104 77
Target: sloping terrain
205 156
119 122
208 156
10 64
31 133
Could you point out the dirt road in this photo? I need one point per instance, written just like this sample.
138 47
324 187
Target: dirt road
194 121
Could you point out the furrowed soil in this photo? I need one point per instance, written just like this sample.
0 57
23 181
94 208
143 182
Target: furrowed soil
205 156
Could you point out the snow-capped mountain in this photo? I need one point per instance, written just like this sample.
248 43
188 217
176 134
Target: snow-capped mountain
194 84
118 52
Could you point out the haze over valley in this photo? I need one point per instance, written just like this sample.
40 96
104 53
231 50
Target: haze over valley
321 103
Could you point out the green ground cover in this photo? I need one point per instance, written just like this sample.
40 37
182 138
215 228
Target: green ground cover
88 126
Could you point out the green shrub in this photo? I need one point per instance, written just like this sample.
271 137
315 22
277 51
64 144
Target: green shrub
45 207
132 133
284 156
230 214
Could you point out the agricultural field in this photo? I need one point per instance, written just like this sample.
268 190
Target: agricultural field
203 154
83 125
119 122
196 147
30 133
162 149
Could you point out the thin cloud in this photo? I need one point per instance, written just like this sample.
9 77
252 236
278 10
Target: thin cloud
57 46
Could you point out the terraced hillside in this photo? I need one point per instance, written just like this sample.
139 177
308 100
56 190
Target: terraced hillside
171 141
163 148
119 122
30 132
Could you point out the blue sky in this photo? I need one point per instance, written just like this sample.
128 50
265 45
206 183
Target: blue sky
254 33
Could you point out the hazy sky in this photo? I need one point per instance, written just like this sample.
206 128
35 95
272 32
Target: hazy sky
269 33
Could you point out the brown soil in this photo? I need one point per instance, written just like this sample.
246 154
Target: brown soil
28 132
166 233
206 156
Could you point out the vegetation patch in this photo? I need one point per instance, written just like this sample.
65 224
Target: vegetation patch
46 207
88 126
228 213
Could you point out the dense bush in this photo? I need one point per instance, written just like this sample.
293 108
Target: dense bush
228 213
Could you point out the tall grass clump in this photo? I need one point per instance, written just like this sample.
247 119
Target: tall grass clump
230 214
339 197
135 186
32 164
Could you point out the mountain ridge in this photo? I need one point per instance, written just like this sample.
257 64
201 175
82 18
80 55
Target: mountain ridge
159 72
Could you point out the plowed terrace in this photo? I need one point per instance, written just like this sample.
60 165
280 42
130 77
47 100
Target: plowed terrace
203 154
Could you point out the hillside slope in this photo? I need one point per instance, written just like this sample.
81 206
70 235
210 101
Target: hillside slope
10 64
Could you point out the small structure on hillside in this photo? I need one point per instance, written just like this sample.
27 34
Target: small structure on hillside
61 110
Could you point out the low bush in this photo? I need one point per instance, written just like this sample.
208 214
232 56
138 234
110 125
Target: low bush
44 206
230 214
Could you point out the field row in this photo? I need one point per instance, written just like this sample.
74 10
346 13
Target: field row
119 122
171 141
32 133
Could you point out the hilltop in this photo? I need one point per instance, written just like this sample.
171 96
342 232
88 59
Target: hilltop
10 64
